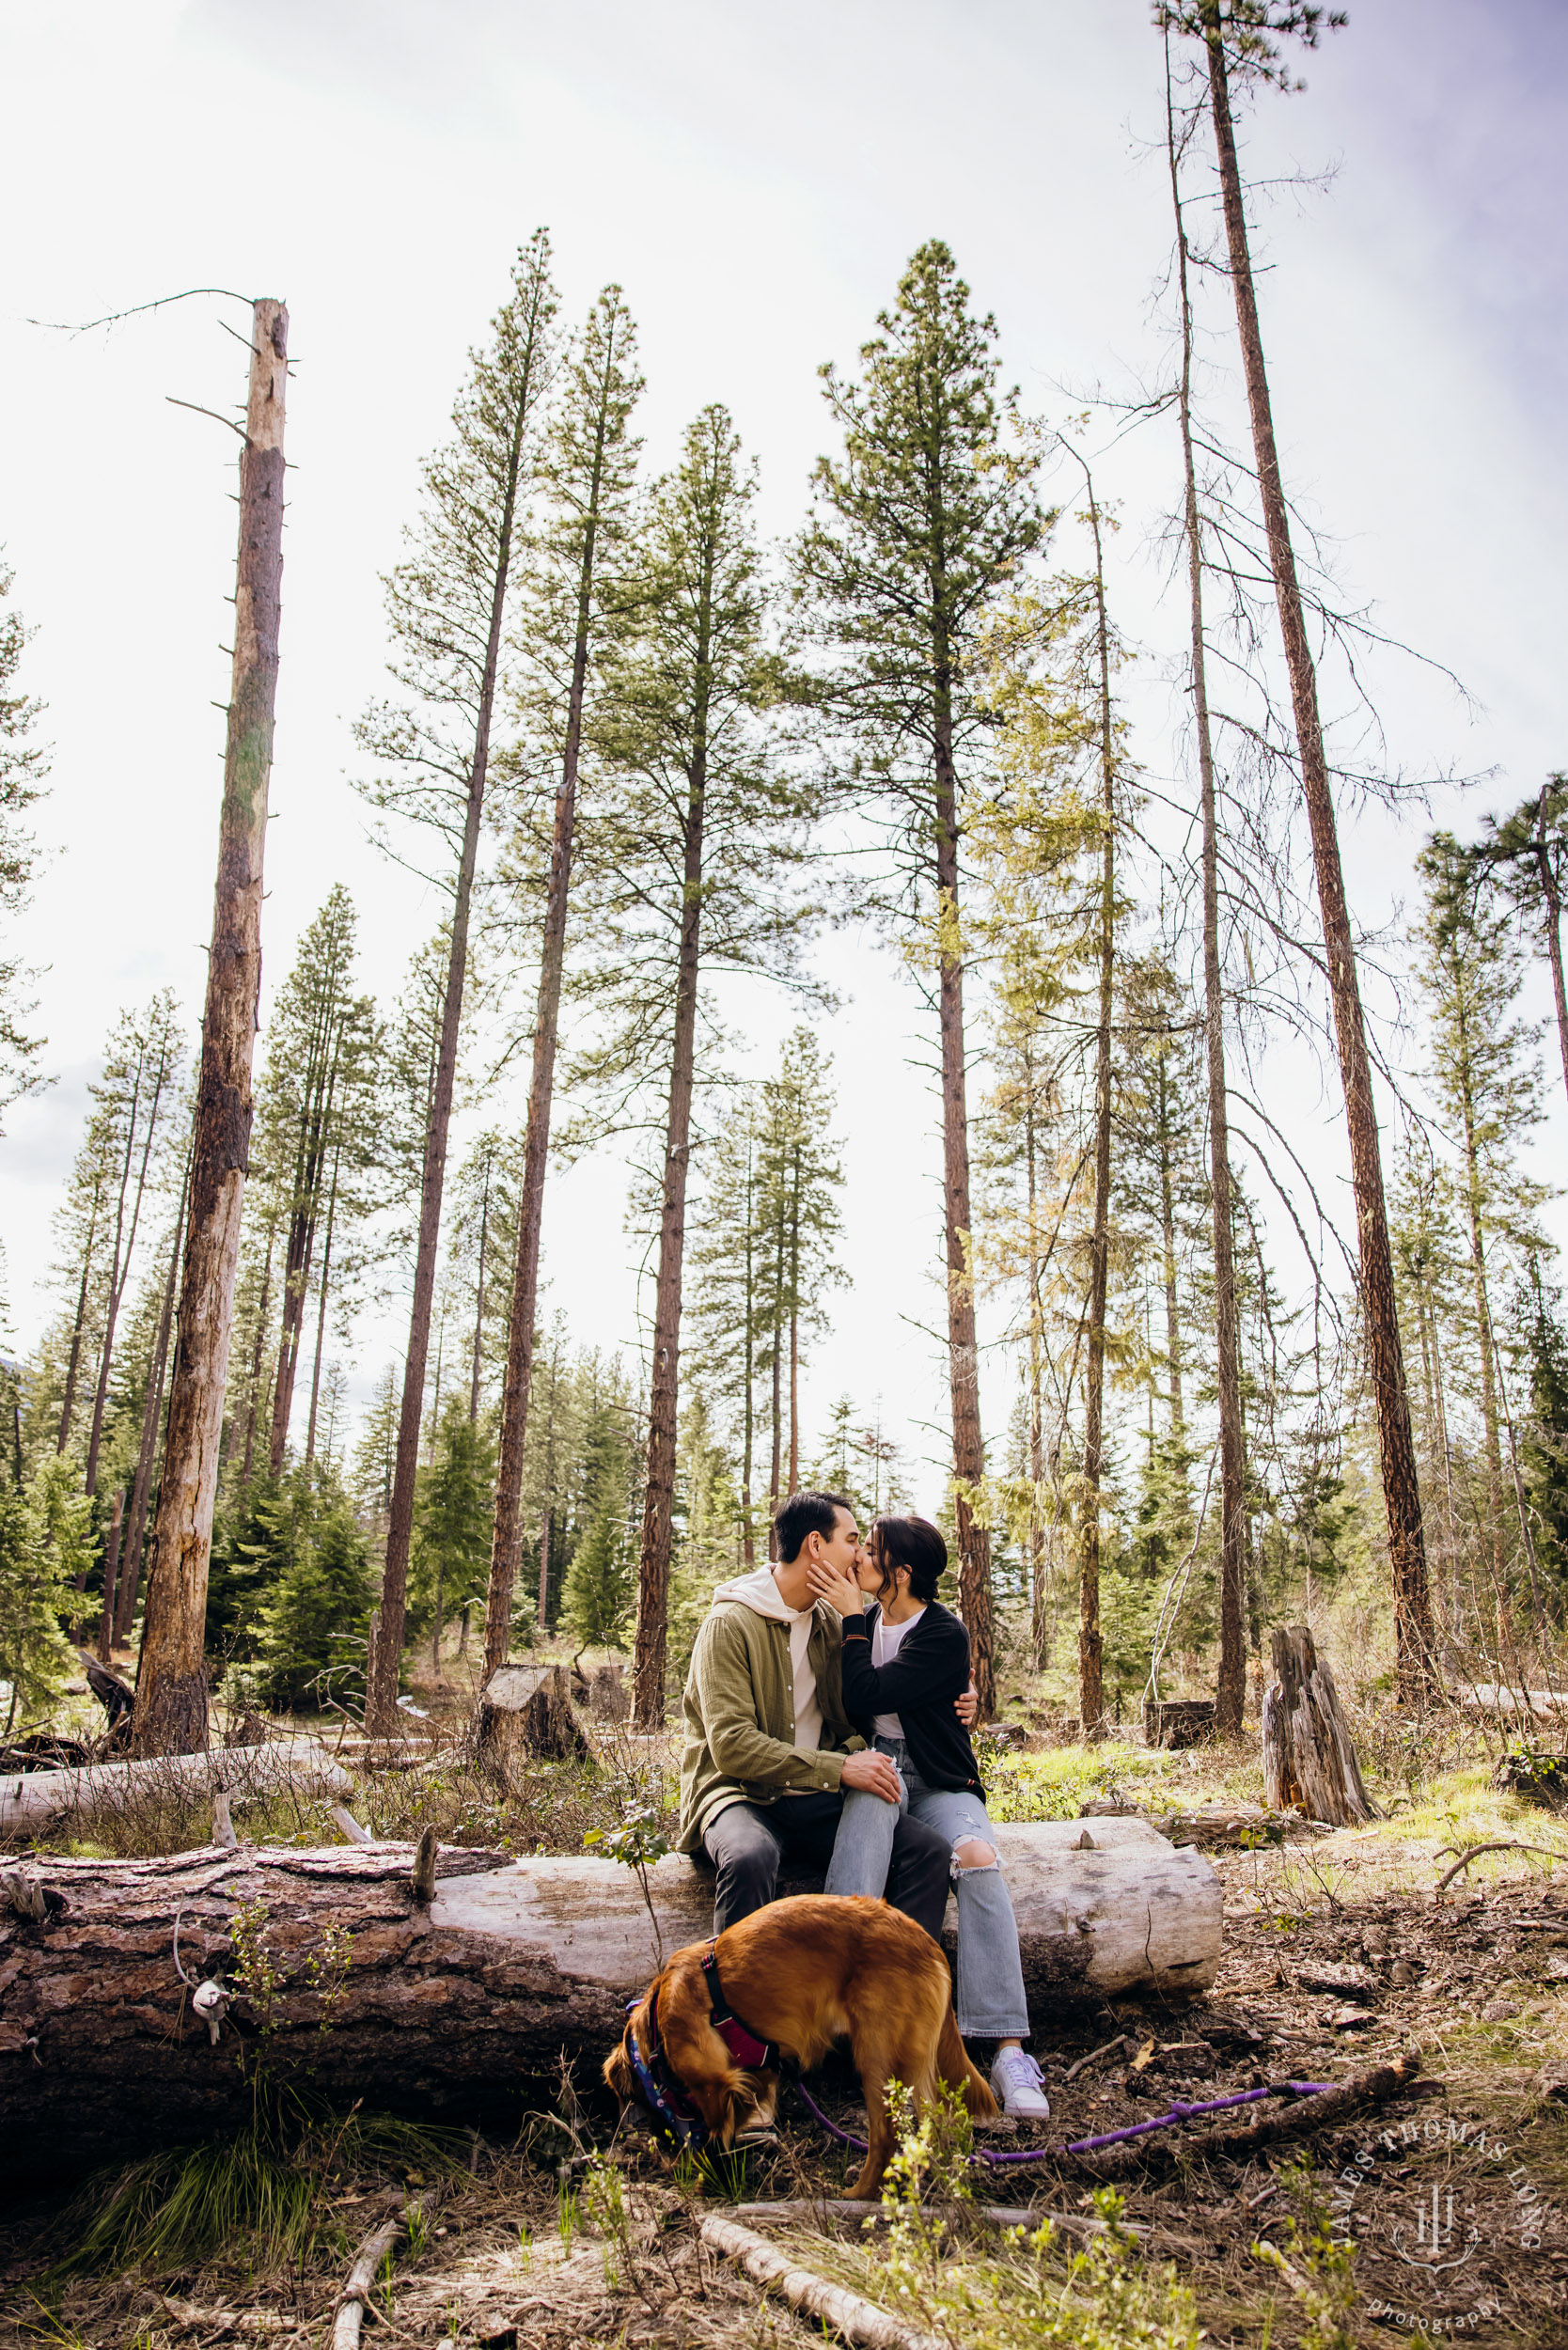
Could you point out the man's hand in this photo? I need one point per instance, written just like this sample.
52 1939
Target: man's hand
967 1706
875 1773
842 1592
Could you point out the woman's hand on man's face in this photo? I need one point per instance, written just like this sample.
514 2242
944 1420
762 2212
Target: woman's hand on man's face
842 1592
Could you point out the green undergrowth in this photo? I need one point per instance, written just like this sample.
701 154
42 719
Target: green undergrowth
268 2198
1056 1782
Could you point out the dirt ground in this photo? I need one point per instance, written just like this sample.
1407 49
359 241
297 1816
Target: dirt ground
1336 1958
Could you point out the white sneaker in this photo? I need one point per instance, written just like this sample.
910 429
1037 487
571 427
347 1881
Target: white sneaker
1016 2079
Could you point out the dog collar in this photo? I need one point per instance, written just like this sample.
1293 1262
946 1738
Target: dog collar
683 2125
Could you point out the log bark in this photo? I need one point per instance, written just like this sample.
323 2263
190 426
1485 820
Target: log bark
1309 1762
171 1686
457 2005
32 1801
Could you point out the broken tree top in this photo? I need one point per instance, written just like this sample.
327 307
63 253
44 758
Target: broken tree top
456 2001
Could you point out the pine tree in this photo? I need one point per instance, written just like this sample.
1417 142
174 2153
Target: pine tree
799 1173
23 765
921 526
447 607
1525 854
315 1138
1487 1081
728 1313
588 470
452 1522
694 859
44 1535
135 1109
317 1579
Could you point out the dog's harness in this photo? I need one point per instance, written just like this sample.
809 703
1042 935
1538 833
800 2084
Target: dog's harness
751 2054
661 2093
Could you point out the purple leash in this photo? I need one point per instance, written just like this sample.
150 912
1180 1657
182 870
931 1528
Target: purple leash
1111 2138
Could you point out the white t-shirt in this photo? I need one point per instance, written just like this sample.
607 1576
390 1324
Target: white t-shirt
886 1640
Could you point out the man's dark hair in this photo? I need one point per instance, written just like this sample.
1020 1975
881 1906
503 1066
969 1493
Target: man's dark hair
807 1513
915 1543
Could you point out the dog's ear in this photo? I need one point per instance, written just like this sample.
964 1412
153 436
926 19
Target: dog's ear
618 2075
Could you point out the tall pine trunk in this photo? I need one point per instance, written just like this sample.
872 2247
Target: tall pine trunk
119 1264
478 1303
322 1085
1551 898
1231 1693
795 1323
748 1531
152 1404
1092 1703
507 1536
73 1360
253 1401
1040 1622
1401 1497
647 1663
974 1540
321 1310
1168 1240
1485 1339
385 1660
171 1686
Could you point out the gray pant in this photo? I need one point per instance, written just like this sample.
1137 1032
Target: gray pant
991 2001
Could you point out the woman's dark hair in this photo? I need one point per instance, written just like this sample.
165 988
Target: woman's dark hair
915 1543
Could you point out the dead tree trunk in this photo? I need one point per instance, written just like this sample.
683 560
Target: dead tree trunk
1309 1762
1396 1442
1231 1695
647 1667
171 1688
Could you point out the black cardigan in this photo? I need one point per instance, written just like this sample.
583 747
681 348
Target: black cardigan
929 1670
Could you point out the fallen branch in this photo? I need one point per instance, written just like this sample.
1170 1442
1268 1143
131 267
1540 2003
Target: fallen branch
31 1801
857 2320
357 2293
1074 2070
1475 1852
1311 2113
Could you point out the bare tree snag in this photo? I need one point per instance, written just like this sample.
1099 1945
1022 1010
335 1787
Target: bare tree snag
1309 1762
460 2003
1231 1695
1401 1497
171 1688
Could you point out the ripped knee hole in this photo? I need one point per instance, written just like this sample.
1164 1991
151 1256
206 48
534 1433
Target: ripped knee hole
972 1854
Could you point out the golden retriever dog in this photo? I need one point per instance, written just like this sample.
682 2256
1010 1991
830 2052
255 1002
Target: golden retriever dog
804 1973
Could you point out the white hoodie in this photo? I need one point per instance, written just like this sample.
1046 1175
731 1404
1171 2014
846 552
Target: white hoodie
759 1592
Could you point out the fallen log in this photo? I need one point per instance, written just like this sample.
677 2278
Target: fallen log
367 1992
31 1801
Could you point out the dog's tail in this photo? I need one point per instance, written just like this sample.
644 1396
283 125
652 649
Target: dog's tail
952 2062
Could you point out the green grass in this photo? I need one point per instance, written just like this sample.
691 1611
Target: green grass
1056 1783
264 2193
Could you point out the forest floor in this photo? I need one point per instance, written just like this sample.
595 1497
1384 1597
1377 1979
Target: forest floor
1338 1955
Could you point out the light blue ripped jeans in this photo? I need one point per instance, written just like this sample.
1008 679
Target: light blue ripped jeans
991 2002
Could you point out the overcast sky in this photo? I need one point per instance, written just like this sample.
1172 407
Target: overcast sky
755 180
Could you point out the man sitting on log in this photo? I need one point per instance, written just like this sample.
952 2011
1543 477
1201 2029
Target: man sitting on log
768 1748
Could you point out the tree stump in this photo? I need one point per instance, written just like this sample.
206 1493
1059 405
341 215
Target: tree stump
527 1708
1309 1762
1178 1721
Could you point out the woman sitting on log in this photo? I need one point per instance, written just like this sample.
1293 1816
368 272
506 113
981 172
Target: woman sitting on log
906 1659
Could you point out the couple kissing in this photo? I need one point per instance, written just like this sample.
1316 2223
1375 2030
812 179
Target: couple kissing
826 1724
